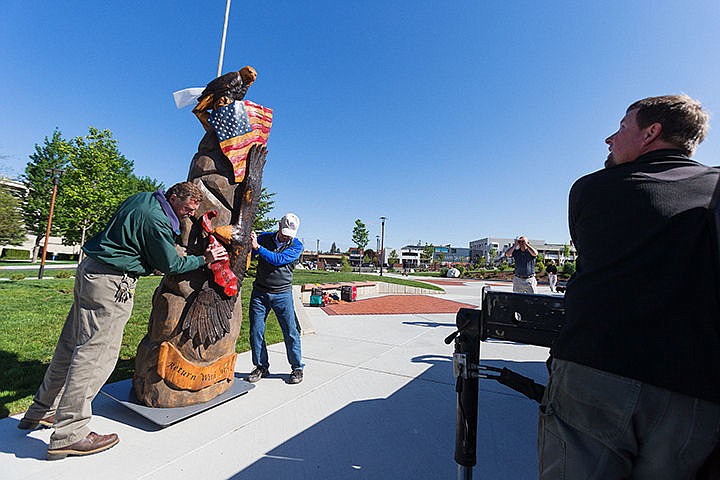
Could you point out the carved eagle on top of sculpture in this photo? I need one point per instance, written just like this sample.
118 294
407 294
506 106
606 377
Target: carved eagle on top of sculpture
222 91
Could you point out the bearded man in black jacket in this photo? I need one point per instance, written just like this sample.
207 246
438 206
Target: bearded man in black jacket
634 390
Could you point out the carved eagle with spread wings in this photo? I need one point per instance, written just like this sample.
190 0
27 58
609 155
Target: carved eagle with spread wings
208 318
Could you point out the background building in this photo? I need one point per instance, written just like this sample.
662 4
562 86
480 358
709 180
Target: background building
410 256
493 249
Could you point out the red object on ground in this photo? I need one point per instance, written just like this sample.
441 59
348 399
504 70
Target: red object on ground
396 304
222 274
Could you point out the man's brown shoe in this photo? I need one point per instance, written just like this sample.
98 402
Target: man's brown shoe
93 443
30 424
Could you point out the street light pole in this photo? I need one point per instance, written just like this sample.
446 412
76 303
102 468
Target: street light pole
382 243
377 247
55 174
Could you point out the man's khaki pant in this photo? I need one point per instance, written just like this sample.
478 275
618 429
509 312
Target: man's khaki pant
86 352
524 285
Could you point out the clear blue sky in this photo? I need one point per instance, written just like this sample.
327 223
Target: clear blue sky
456 120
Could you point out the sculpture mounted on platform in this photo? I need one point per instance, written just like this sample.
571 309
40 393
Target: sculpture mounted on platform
188 355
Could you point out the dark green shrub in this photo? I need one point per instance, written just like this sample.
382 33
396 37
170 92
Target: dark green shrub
16 254
63 274
568 268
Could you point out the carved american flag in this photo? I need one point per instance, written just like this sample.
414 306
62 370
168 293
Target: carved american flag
239 125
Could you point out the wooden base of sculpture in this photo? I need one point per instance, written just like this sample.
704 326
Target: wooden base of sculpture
170 370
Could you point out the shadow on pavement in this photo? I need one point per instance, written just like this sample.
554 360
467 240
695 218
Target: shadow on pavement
411 434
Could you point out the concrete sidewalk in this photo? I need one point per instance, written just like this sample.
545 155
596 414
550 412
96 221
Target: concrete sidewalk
377 402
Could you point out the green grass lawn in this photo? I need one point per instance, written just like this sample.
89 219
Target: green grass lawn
32 313
30 270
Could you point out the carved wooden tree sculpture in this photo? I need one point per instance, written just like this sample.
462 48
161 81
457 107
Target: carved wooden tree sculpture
188 355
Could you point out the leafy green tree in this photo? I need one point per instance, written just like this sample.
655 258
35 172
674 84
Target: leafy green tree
566 251
12 230
334 249
144 184
52 154
394 259
98 179
568 268
360 236
540 262
263 222
427 253
345 264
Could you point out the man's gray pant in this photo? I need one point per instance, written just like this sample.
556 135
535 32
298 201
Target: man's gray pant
595 425
86 352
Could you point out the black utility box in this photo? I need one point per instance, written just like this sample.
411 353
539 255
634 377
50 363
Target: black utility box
348 293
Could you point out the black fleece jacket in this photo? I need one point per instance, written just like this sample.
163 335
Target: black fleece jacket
643 302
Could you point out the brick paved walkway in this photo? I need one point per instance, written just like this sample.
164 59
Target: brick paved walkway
396 304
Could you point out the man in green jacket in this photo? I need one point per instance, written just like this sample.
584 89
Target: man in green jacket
138 240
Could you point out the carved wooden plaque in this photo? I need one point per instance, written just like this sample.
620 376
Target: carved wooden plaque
177 370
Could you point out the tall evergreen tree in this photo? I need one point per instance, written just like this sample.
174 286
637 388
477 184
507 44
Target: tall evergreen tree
52 154
262 222
12 230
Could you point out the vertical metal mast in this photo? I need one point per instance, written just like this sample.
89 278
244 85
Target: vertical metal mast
224 35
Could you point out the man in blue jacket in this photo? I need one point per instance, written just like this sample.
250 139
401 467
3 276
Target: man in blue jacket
277 253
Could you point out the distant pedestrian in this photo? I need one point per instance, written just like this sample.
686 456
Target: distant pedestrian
551 270
523 254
